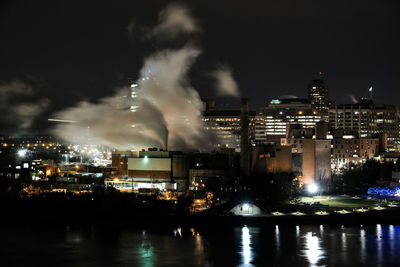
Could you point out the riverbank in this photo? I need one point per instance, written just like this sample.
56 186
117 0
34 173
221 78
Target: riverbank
146 221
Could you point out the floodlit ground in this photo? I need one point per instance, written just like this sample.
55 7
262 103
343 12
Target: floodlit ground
341 201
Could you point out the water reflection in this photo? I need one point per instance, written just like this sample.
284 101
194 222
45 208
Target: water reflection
363 239
344 241
392 237
317 245
246 249
379 242
277 237
313 251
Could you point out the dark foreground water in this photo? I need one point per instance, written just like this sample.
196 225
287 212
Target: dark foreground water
368 245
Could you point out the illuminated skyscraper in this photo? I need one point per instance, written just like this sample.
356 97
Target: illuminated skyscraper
318 95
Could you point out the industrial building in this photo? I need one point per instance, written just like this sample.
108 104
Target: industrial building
166 170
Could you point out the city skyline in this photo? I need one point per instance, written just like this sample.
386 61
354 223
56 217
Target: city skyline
200 133
273 49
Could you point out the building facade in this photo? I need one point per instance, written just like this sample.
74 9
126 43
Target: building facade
368 119
270 122
318 95
225 125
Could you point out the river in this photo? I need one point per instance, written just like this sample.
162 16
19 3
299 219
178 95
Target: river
305 245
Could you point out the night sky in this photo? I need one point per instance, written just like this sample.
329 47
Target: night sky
81 50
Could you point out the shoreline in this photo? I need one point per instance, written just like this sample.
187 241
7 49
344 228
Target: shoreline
148 221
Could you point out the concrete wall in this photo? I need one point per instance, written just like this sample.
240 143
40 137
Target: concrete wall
322 160
180 166
316 160
282 161
308 161
149 164
120 161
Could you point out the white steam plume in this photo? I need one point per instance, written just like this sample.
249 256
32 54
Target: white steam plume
173 20
18 106
352 99
111 123
25 113
167 107
164 83
14 88
225 83
130 28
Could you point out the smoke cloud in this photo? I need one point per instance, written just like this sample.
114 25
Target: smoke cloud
130 28
164 83
111 123
288 97
166 109
174 20
19 107
353 99
225 84
12 89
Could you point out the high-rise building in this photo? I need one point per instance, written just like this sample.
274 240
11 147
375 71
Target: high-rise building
318 95
367 119
271 121
226 126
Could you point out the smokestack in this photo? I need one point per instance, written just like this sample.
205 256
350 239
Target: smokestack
244 136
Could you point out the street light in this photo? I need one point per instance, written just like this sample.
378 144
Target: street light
312 188
22 153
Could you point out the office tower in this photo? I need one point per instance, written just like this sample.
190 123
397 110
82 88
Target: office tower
367 119
318 95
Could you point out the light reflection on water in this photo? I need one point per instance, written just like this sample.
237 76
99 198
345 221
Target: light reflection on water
379 242
319 245
312 249
363 241
246 249
146 252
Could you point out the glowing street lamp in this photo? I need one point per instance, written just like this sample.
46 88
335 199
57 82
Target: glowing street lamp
312 188
22 153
